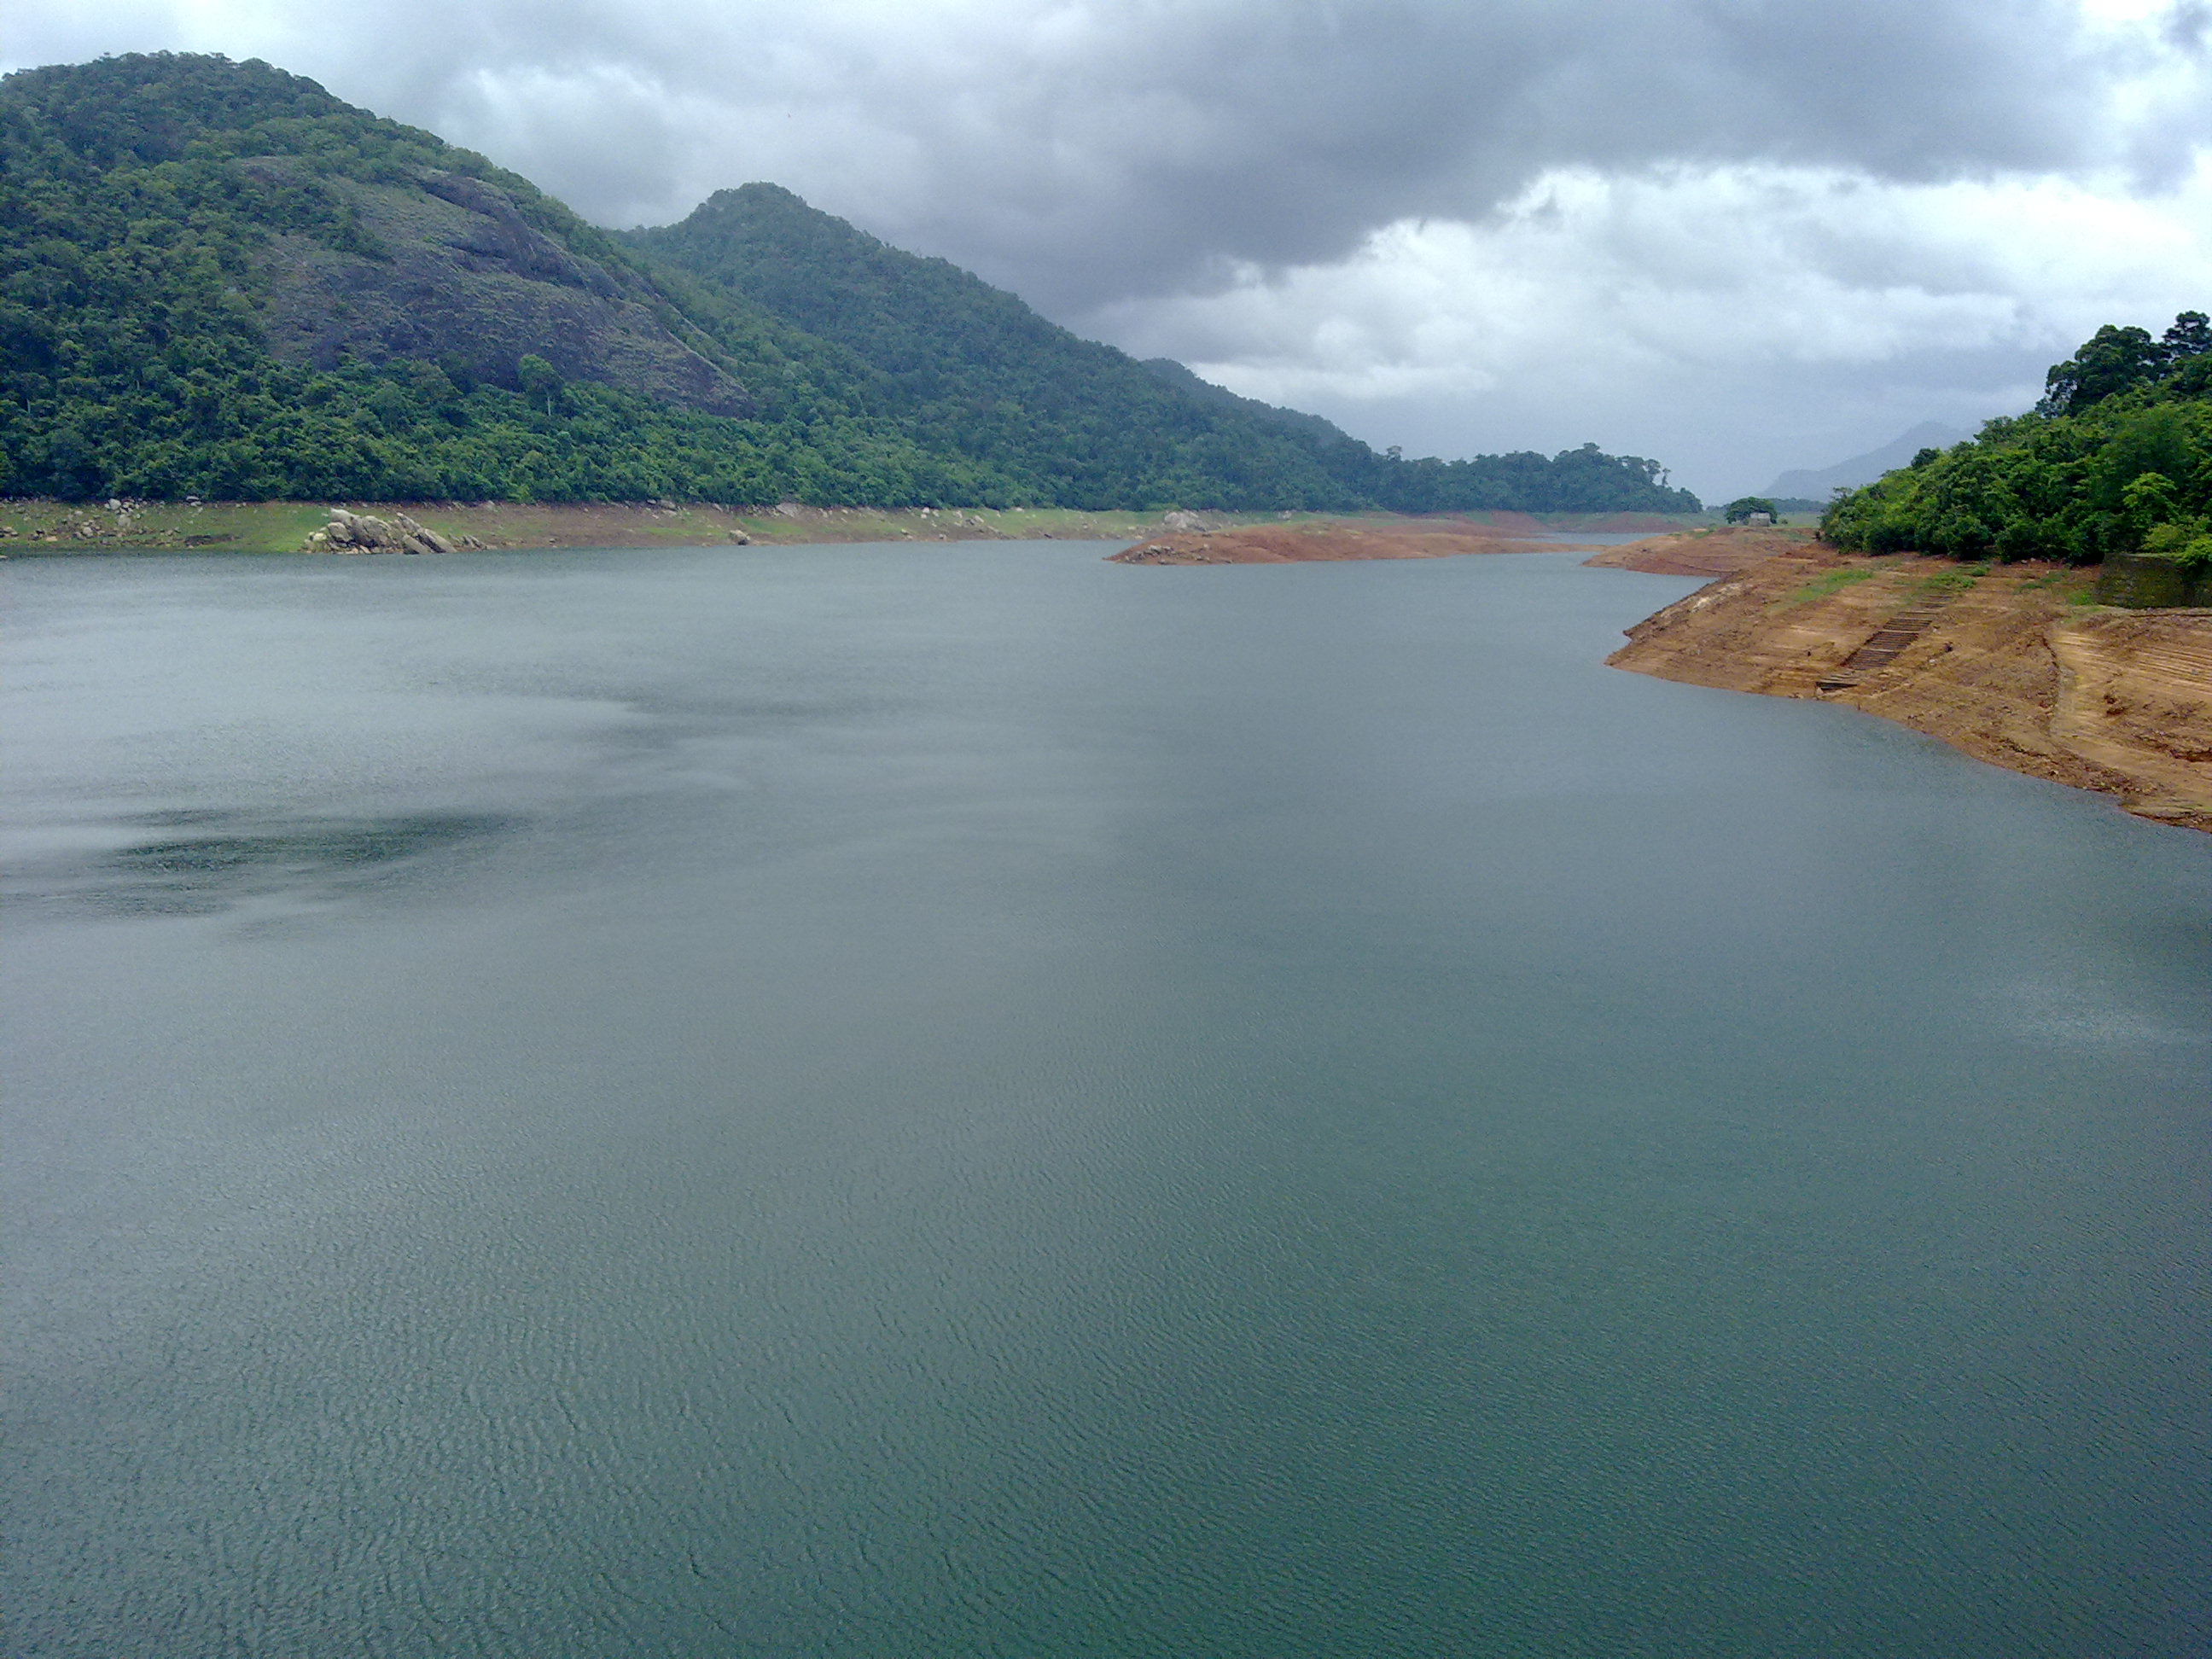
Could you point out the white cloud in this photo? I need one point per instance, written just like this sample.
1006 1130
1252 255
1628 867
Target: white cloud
1722 319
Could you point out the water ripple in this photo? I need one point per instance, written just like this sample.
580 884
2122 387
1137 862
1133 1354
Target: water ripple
223 860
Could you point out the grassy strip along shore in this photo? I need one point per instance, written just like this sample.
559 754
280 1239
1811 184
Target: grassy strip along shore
44 527
121 526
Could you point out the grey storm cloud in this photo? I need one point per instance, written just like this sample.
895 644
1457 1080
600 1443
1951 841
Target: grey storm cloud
1089 152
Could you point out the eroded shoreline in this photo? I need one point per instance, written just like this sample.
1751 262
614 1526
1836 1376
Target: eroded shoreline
1375 536
2007 664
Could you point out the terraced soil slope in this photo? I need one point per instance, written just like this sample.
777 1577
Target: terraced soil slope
2002 664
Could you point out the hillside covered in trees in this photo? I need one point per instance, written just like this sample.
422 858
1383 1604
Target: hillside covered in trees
216 279
2116 459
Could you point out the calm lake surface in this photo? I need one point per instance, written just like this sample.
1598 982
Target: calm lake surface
970 1101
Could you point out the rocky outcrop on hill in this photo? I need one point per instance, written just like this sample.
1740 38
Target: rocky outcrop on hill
455 275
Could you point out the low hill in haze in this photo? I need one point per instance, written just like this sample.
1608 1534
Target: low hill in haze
1817 484
217 279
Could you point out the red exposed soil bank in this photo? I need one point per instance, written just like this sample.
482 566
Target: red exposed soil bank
1324 540
2003 663
1720 552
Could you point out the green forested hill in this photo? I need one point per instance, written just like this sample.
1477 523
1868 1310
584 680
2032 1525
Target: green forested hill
1074 421
2116 459
1068 420
217 279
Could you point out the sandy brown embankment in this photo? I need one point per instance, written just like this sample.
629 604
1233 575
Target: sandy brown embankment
1321 540
2004 664
1721 550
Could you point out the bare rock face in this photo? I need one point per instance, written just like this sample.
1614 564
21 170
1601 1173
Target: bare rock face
416 538
361 533
461 278
1182 522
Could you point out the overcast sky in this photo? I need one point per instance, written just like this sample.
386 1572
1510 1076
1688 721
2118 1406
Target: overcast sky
1737 235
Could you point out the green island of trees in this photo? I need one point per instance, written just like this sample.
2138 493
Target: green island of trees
218 280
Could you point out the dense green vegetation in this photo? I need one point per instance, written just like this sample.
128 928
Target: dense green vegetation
1078 424
2116 459
215 279
134 356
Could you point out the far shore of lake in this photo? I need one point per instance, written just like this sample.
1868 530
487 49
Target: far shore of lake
29 526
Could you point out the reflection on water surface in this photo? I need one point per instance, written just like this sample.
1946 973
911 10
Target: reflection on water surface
238 856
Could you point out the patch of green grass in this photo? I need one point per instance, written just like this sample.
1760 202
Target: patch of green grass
2051 579
31 526
1821 586
1958 581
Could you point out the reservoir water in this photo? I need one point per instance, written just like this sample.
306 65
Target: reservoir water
971 1101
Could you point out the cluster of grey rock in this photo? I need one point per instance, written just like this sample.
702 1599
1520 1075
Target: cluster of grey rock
364 532
1164 553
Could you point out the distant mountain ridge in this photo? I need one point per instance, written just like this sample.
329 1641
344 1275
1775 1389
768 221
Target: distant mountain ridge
1079 424
1818 484
221 280
1065 419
